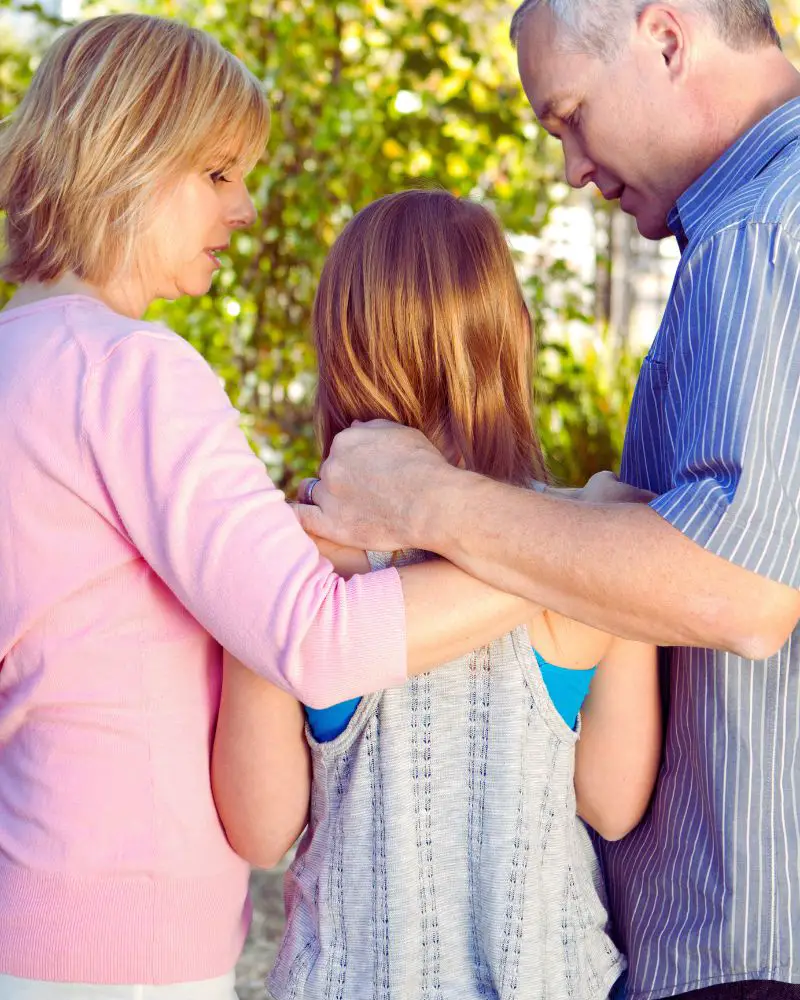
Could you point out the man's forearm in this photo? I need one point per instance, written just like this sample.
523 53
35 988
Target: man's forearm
618 567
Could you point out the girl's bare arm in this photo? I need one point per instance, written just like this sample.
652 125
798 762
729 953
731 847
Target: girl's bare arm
261 768
619 752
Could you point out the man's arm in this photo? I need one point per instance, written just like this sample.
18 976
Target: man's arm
713 563
616 566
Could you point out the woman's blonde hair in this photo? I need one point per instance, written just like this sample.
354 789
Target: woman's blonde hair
419 318
119 107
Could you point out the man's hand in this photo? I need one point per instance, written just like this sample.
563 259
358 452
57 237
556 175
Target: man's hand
604 487
374 486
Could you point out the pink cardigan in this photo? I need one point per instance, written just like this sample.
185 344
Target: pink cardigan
138 535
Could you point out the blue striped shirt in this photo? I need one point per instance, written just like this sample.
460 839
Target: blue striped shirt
707 890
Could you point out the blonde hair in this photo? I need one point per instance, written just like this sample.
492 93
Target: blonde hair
419 318
119 107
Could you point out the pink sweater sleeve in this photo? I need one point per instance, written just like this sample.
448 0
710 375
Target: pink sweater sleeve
166 447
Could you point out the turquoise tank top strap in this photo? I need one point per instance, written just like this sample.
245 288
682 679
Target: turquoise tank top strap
567 688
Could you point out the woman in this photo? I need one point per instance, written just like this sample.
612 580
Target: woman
138 533
444 855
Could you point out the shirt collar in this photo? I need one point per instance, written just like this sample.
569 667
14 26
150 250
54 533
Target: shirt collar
744 161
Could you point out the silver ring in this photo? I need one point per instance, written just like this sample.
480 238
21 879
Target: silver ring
307 491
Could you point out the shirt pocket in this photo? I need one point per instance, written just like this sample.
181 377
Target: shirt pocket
654 374
646 459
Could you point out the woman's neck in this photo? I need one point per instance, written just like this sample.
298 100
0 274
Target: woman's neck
117 297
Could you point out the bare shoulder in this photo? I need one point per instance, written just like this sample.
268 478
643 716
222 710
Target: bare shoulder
567 643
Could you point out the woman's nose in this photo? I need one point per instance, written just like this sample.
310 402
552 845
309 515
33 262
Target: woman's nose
241 212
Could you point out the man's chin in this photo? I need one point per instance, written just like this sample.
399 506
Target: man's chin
652 227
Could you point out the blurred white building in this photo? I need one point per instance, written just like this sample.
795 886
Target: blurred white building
620 278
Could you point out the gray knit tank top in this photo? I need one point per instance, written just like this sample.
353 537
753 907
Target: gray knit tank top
443 858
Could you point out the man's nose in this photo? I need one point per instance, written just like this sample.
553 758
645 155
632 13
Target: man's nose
578 166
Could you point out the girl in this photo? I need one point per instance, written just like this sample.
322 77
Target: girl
445 854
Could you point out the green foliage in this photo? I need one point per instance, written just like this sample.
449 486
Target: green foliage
368 98
583 402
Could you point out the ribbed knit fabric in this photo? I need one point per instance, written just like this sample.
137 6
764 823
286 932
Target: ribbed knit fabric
138 532
444 859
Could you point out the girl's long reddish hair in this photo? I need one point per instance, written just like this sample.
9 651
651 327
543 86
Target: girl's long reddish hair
419 318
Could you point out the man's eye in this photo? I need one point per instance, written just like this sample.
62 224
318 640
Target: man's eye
573 118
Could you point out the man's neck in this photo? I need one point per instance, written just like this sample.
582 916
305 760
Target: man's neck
739 91
753 86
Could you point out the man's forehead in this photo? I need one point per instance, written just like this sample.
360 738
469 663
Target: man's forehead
549 83
545 67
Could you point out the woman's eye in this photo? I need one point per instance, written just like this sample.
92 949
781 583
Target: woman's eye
218 177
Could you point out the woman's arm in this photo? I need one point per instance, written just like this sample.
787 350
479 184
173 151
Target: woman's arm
618 754
172 471
469 614
261 765
261 769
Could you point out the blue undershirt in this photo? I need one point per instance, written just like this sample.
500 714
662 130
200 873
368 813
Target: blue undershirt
567 689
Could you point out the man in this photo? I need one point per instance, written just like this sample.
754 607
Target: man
688 113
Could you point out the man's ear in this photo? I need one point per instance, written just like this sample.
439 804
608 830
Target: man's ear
664 30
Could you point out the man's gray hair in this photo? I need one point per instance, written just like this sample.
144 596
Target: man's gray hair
596 26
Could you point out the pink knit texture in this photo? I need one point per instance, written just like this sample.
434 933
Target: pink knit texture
138 534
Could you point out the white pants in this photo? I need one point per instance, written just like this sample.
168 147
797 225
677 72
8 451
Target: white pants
12 988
